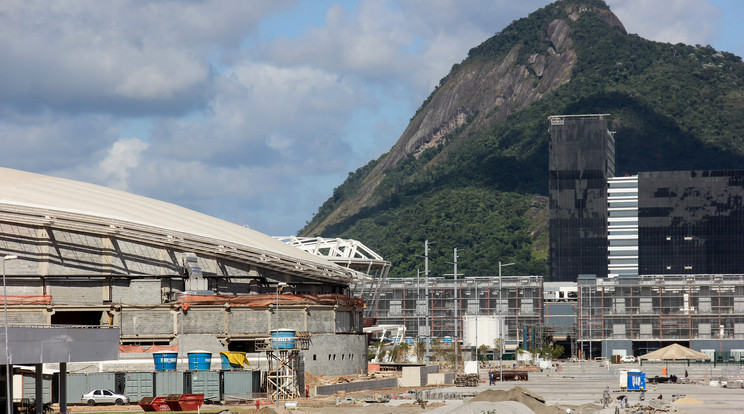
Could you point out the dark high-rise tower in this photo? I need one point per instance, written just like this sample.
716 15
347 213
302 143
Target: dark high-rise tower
582 158
691 222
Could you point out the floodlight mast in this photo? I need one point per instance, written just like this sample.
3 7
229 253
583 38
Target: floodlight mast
501 327
8 399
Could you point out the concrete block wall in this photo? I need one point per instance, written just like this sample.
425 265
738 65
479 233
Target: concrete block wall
356 386
138 292
38 317
331 354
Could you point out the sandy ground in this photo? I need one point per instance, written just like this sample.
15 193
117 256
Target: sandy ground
578 386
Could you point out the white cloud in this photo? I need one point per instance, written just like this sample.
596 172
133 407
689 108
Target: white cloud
117 56
672 21
121 159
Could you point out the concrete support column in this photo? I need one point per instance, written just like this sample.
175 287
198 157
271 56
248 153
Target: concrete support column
39 388
63 387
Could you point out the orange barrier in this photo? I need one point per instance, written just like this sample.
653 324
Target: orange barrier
131 349
29 300
267 299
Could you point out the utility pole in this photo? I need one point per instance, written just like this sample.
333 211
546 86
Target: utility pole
418 308
456 342
426 288
501 327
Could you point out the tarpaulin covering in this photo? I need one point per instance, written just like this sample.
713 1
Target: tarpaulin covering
236 357
29 300
152 348
263 300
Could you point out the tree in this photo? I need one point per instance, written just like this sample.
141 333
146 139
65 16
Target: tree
400 352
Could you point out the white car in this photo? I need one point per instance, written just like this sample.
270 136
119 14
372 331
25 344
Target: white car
104 397
628 358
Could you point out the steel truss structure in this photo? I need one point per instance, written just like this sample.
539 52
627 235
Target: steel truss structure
658 308
402 301
354 255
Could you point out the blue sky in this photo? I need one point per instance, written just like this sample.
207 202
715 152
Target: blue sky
252 111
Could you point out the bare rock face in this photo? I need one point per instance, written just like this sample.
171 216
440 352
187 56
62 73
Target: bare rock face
477 93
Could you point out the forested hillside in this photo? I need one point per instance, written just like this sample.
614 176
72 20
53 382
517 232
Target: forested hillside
471 169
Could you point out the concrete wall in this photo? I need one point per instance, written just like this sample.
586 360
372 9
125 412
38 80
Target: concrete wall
719 345
138 292
37 317
608 345
441 378
336 355
356 386
413 377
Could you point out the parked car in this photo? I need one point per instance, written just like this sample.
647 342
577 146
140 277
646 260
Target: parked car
104 397
628 358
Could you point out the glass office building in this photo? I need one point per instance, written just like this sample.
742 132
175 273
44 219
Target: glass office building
582 158
691 222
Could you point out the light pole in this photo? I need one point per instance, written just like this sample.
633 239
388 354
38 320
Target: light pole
455 295
418 308
426 288
279 285
8 399
477 315
501 328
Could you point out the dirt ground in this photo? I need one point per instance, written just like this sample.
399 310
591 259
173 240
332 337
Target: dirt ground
577 387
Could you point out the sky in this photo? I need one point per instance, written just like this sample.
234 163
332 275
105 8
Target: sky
252 111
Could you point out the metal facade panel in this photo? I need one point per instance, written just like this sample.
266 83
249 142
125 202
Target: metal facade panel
168 383
50 345
77 385
139 385
104 380
239 382
343 322
29 388
207 383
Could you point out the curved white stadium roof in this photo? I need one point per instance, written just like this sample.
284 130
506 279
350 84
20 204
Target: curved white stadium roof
42 200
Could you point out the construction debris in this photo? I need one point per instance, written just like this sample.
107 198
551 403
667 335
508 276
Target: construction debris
467 380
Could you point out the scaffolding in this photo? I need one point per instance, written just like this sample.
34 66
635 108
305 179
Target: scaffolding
283 355
659 308
402 301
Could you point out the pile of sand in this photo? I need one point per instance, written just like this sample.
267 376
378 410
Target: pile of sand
687 400
519 394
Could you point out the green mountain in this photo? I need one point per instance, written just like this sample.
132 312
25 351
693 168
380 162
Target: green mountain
471 169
